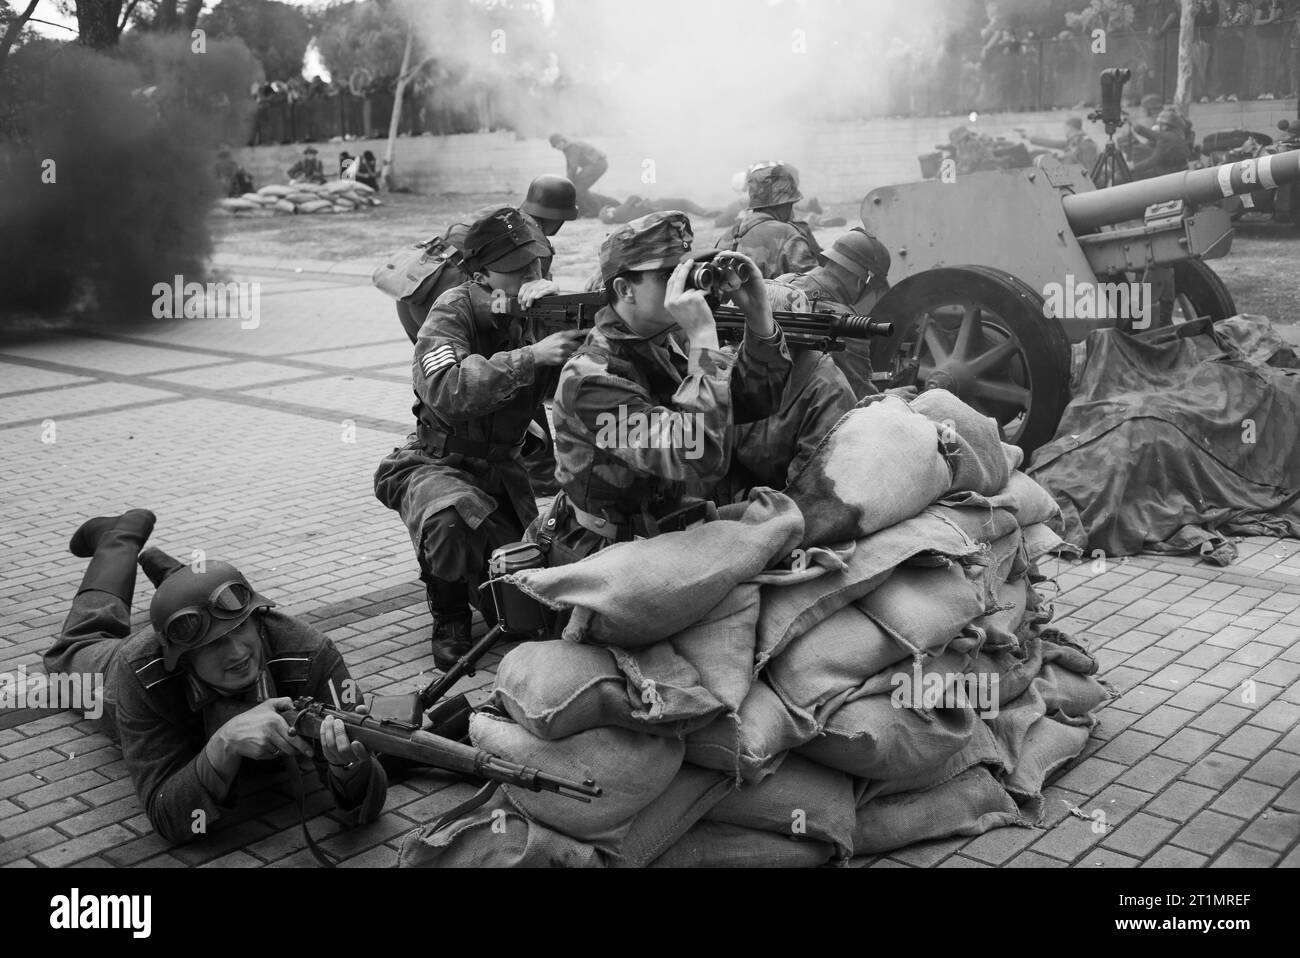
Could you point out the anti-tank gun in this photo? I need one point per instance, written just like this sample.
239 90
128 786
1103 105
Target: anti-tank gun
997 274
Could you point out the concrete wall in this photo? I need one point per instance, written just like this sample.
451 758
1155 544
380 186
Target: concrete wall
839 162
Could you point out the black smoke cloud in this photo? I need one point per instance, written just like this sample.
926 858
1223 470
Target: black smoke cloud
126 142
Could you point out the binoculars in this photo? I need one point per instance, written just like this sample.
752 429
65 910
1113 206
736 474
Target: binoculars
717 277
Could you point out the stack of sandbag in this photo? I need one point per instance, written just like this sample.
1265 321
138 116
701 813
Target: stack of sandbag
339 196
853 665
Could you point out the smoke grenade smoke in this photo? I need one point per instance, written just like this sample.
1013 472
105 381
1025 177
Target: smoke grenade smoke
106 168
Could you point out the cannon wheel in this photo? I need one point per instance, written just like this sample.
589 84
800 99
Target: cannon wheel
982 335
1199 293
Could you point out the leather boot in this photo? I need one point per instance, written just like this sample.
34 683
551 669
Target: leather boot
449 606
112 543
158 565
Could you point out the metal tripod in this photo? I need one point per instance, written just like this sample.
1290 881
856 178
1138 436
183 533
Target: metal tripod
1111 165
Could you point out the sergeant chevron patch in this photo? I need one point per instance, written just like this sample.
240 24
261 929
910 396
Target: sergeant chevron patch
437 359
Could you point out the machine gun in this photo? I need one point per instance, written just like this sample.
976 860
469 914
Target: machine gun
424 748
822 331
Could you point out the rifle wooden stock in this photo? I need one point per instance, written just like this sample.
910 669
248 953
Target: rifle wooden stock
422 748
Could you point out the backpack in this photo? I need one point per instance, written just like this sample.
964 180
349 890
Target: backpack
419 274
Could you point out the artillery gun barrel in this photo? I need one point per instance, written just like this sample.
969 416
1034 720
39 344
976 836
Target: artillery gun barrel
1117 204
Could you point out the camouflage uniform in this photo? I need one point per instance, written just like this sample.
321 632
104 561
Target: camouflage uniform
776 246
625 488
771 451
459 483
859 253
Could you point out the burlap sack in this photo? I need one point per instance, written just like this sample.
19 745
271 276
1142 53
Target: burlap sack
973 442
717 845
982 749
751 744
1023 496
637 593
790 611
494 835
662 823
632 769
832 659
801 799
926 608
969 804
721 645
556 689
881 464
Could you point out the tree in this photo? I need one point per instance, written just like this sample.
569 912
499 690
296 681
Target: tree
277 33
1186 35
13 26
1113 16
100 22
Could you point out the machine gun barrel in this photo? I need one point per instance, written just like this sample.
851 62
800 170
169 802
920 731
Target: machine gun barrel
1128 201
423 748
578 311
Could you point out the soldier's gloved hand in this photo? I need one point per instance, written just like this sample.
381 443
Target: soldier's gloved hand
532 291
751 297
344 757
556 348
689 309
262 732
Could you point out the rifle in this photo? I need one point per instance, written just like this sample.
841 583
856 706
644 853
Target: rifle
825 332
423 748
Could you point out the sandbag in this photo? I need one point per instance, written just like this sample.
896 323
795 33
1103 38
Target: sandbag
315 206
1000 628
257 198
343 208
790 611
276 189
926 608
969 804
236 204
801 799
299 195
362 188
340 186
973 442
662 823
1023 496
879 465
494 835
1041 540
830 660
556 689
982 749
873 737
721 645
750 744
981 525
1006 558
634 594
717 845
284 206
632 769
1068 696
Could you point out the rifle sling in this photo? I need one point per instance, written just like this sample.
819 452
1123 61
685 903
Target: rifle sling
323 858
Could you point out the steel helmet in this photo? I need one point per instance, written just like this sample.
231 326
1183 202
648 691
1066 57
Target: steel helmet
192 609
861 254
552 198
772 186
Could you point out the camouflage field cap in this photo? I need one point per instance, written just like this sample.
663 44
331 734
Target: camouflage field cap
656 241
504 240
772 186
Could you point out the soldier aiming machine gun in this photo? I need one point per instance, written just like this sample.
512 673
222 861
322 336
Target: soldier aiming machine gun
825 332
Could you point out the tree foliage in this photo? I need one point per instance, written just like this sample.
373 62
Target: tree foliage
277 33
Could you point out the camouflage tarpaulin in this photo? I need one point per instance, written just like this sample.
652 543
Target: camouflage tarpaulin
1165 446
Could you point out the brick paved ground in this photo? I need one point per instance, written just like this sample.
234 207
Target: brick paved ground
1198 763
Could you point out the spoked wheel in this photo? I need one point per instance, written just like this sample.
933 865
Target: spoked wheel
983 336
1199 293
